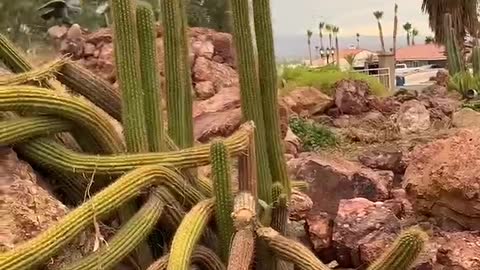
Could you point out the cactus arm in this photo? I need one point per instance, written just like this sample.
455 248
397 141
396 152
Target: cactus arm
202 256
56 156
279 209
223 195
130 235
128 74
455 61
37 74
188 234
42 247
24 98
18 130
250 97
290 250
404 251
476 60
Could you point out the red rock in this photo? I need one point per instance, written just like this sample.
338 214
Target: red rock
223 44
204 90
89 49
443 179
319 229
308 99
351 97
413 117
216 124
220 75
300 205
332 179
225 99
383 160
57 31
459 251
292 143
203 48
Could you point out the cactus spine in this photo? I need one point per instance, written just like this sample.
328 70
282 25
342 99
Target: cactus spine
223 195
404 251
188 234
455 61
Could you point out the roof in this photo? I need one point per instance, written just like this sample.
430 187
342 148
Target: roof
421 52
346 52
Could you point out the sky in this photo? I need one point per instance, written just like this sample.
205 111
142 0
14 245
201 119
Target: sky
293 17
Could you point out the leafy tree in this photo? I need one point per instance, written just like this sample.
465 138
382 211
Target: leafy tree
414 34
321 26
309 43
408 28
429 40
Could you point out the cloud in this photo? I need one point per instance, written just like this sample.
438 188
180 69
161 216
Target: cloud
352 16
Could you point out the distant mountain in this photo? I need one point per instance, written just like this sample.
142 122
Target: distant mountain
295 46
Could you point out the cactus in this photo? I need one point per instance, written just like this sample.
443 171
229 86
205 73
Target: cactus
290 250
126 239
202 256
250 96
455 61
476 60
177 83
39 74
18 130
42 247
56 156
188 234
404 251
223 195
150 76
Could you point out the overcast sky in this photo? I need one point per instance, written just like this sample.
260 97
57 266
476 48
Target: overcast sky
292 17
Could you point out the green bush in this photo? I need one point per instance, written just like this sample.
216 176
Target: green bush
463 81
314 136
324 79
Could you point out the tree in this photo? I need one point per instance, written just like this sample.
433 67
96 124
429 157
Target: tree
429 40
408 27
335 31
321 25
358 40
329 29
395 28
350 58
414 34
309 37
464 16
378 15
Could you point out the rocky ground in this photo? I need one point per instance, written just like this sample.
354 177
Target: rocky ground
410 159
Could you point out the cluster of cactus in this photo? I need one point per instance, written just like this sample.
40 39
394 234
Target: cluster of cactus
454 55
145 180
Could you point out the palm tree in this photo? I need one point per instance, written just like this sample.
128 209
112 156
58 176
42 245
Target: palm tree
378 15
350 58
335 31
321 25
464 15
395 28
309 37
329 29
429 40
414 34
358 40
407 27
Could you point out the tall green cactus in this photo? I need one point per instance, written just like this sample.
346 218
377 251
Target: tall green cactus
476 60
454 55
202 256
223 195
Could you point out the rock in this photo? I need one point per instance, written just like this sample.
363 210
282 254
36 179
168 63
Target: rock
106 63
443 179
284 114
74 32
292 143
351 96
413 117
89 49
459 251
446 105
387 105
204 89
57 31
300 205
220 75
332 179
319 228
442 78
383 160
216 124
308 99
203 49
466 118
361 228
225 99
223 44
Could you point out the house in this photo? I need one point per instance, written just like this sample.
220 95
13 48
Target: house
362 56
421 55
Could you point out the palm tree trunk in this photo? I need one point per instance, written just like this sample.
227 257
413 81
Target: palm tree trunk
330 37
395 30
408 38
380 30
321 40
310 52
337 51
413 40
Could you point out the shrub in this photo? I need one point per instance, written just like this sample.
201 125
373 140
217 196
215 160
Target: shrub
324 79
463 81
314 136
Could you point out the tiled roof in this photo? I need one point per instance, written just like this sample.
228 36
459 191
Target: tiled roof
421 52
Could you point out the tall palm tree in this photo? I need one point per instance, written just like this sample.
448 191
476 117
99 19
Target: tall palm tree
464 17
414 34
408 27
321 25
350 58
429 40
358 40
395 28
378 15
335 31
329 29
309 37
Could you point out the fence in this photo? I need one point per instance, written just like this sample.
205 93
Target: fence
381 74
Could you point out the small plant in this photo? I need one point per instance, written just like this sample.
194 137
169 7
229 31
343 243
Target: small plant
314 136
462 82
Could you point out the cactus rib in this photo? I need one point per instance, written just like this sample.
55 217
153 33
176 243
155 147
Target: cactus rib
202 256
37 74
18 130
188 234
280 208
50 241
94 88
403 252
24 98
56 156
455 61
250 97
126 239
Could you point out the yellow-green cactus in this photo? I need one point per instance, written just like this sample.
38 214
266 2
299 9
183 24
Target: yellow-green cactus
202 256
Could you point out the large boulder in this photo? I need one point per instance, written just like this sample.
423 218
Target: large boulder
351 96
220 75
383 159
307 101
413 117
332 179
466 118
442 179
